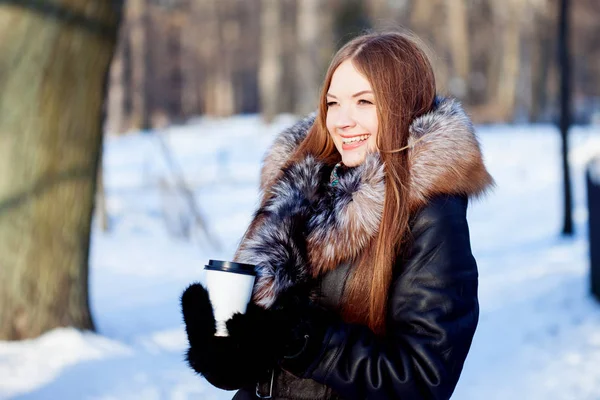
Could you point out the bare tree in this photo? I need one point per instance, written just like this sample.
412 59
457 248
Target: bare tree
565 111
214 61
190 61
508 16
100 206
307 56
137 18
50 139
115 121
458 34
421 13
229 33
542 44
269 74
205 25
430 25
327 44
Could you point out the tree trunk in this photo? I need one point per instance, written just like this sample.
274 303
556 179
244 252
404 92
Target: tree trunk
137 19
541 60
214 59
429 24
565 112
189 64
115 103
494 59
57 58
100 205
210 60
327 45
509 14
229 32
269 73
307 57
458 34
421 13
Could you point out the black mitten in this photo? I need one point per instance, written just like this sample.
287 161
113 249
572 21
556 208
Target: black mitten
226 362
290 334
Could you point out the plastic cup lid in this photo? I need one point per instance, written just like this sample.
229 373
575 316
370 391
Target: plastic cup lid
230 266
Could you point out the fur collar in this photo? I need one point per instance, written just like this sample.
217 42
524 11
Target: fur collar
307 228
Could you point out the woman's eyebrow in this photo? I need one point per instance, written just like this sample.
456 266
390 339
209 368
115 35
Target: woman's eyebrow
354 95
362 92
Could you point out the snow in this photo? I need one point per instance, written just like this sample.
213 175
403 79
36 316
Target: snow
539 331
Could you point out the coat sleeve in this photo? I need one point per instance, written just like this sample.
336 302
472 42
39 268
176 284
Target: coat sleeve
432 315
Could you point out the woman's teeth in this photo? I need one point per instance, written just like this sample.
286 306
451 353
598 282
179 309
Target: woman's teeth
355 139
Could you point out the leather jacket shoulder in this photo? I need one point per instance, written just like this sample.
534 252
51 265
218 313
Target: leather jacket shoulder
432 315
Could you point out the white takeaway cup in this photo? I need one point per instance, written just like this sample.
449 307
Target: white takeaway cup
229 285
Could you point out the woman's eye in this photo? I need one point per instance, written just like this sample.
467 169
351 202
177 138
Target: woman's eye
331 103
363 101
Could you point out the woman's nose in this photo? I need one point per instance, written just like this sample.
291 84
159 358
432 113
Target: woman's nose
344 118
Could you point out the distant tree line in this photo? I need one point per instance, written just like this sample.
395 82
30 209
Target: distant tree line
181 58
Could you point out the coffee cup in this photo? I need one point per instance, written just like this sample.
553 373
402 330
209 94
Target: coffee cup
229 285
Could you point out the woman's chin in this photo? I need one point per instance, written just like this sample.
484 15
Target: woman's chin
353 160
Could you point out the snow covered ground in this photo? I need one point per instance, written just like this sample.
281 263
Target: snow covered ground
539 333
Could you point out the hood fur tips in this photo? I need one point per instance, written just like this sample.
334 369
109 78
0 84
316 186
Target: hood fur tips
445 157
307 228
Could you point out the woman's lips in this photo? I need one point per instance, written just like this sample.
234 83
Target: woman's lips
353 145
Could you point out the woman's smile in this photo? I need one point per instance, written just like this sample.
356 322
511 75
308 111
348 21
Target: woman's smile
354 142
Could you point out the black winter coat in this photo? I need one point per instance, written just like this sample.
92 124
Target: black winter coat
433 312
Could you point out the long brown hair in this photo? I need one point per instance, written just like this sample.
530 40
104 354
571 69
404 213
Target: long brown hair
403 83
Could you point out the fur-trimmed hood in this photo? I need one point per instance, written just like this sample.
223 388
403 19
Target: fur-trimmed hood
307 227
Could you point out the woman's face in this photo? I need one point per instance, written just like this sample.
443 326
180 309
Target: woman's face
351 114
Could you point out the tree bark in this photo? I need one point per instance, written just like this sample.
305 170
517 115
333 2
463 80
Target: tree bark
190 63
137 19
208 49
429 24
565 112
494 55
458 34
421 13
509 15
56 56
541 60
229 32
269 74
307 57
100 205
115 103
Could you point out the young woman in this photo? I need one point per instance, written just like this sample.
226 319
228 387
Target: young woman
366 285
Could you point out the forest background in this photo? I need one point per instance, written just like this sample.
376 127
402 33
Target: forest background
177 59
